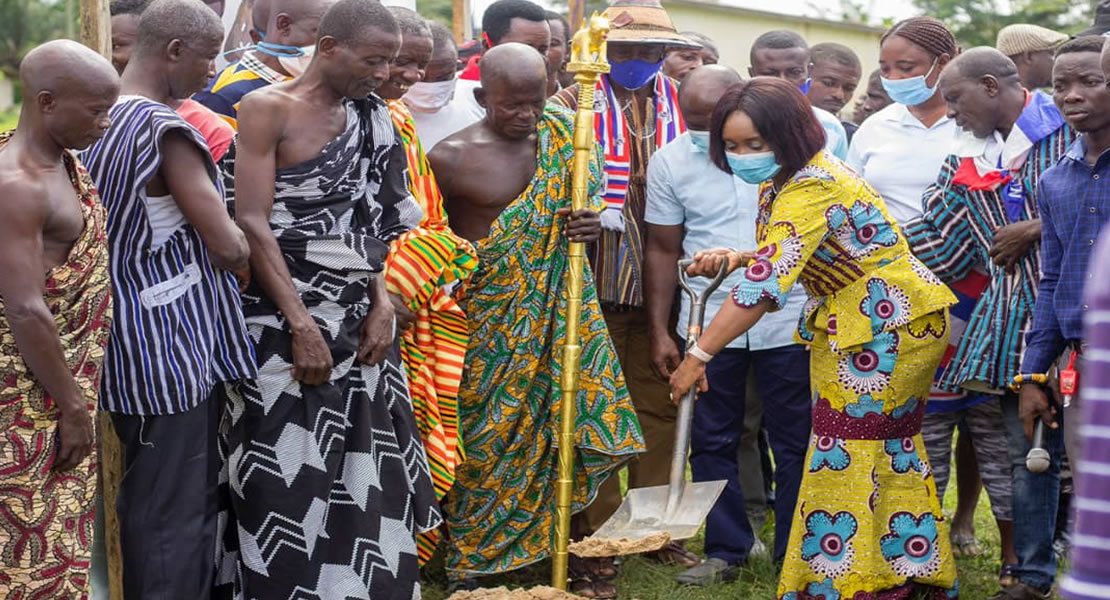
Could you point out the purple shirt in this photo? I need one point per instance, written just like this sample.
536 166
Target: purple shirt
1090 577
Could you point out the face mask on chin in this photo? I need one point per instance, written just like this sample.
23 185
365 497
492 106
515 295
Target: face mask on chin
430 96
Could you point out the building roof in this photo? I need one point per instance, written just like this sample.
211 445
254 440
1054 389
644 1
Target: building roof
713 5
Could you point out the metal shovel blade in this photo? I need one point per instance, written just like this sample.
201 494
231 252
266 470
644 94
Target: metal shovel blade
644 512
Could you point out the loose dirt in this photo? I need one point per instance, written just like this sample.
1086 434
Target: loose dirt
594 547
503 593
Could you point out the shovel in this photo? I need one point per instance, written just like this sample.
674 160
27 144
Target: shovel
679 508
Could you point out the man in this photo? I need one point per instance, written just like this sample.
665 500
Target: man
558 52
429 99
324 441
692 205
681 61
834 72
1031 48
287 34
1088 579
503 22
125 24
638 113
426 268
55 304
178 328
980 220
873 99
508 196
1073 204
785 54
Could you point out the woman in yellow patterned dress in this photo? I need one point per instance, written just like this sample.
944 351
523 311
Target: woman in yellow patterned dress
868 525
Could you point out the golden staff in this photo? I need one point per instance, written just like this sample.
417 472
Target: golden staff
588 62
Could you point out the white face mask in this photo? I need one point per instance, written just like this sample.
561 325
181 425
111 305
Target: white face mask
296 65
430 97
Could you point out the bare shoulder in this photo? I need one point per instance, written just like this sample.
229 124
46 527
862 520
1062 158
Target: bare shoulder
265 107
449 152
24 200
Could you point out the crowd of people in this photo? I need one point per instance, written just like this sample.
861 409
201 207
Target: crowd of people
329 279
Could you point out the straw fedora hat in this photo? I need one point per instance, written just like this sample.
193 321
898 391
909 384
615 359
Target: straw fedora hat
643 22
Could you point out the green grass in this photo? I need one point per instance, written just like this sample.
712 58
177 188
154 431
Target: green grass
646 580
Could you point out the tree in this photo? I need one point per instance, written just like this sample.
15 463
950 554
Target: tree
437 10
26 23
976 22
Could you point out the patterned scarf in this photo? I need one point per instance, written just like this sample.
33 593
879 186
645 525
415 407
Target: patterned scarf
611 133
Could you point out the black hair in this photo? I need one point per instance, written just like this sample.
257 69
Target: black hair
554 16
127 7
166 20
932 35
1083 43
827 52
499 17
410 23
441 35
346 19
779 39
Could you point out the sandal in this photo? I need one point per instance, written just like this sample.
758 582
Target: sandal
675 553
590 577
1006 577
966 544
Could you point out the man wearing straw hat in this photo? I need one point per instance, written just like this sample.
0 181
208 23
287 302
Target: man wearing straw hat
638 113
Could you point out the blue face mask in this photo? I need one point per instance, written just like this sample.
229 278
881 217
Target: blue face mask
912 91
753 168
804 88
700 140
279 50
634 74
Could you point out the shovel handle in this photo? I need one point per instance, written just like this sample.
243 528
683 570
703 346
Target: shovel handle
677 483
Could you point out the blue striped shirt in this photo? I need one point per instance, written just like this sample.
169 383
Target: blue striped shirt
179 325
1074 202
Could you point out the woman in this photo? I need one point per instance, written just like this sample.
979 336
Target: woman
868 519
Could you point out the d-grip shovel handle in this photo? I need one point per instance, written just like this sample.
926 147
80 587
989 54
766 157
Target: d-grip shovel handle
677 482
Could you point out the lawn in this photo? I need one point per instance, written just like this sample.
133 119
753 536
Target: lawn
646 580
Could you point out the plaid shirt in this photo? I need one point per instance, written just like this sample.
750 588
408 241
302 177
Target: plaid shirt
1074 202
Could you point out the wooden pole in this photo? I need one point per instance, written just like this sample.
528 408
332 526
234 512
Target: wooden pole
96 33
460 18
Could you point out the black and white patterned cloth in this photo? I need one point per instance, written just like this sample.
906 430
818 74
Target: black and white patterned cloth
329 483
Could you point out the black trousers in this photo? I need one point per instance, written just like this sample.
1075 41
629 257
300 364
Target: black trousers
168 502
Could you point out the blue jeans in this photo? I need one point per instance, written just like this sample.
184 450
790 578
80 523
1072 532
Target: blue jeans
1035 500
782 379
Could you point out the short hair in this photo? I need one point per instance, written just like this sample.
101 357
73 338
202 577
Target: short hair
928 33
782 115
831 52
346 19
1083 43
554 16
441 35
779 39
410 23
127 7
701 39
499 17
166 20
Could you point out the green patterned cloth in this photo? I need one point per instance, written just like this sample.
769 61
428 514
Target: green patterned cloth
500 513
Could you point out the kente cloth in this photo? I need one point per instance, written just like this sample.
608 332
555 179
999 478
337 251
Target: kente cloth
500 514
46 517
868 524
641 128
955 233
427 267
329 483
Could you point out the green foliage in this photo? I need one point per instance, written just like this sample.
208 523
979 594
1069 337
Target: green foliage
9 119
976 22
437 10
27 23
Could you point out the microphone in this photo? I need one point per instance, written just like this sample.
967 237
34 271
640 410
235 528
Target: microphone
1038 459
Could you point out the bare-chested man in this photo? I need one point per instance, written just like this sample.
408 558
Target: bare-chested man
324 445
287 39
54 316
179 330
507 184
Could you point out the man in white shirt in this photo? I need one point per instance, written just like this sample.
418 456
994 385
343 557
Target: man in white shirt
692 205
785 54
430 100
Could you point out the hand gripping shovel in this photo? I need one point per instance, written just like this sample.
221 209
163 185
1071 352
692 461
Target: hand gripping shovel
680 507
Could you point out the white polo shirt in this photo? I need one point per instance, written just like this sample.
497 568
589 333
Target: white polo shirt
901 157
